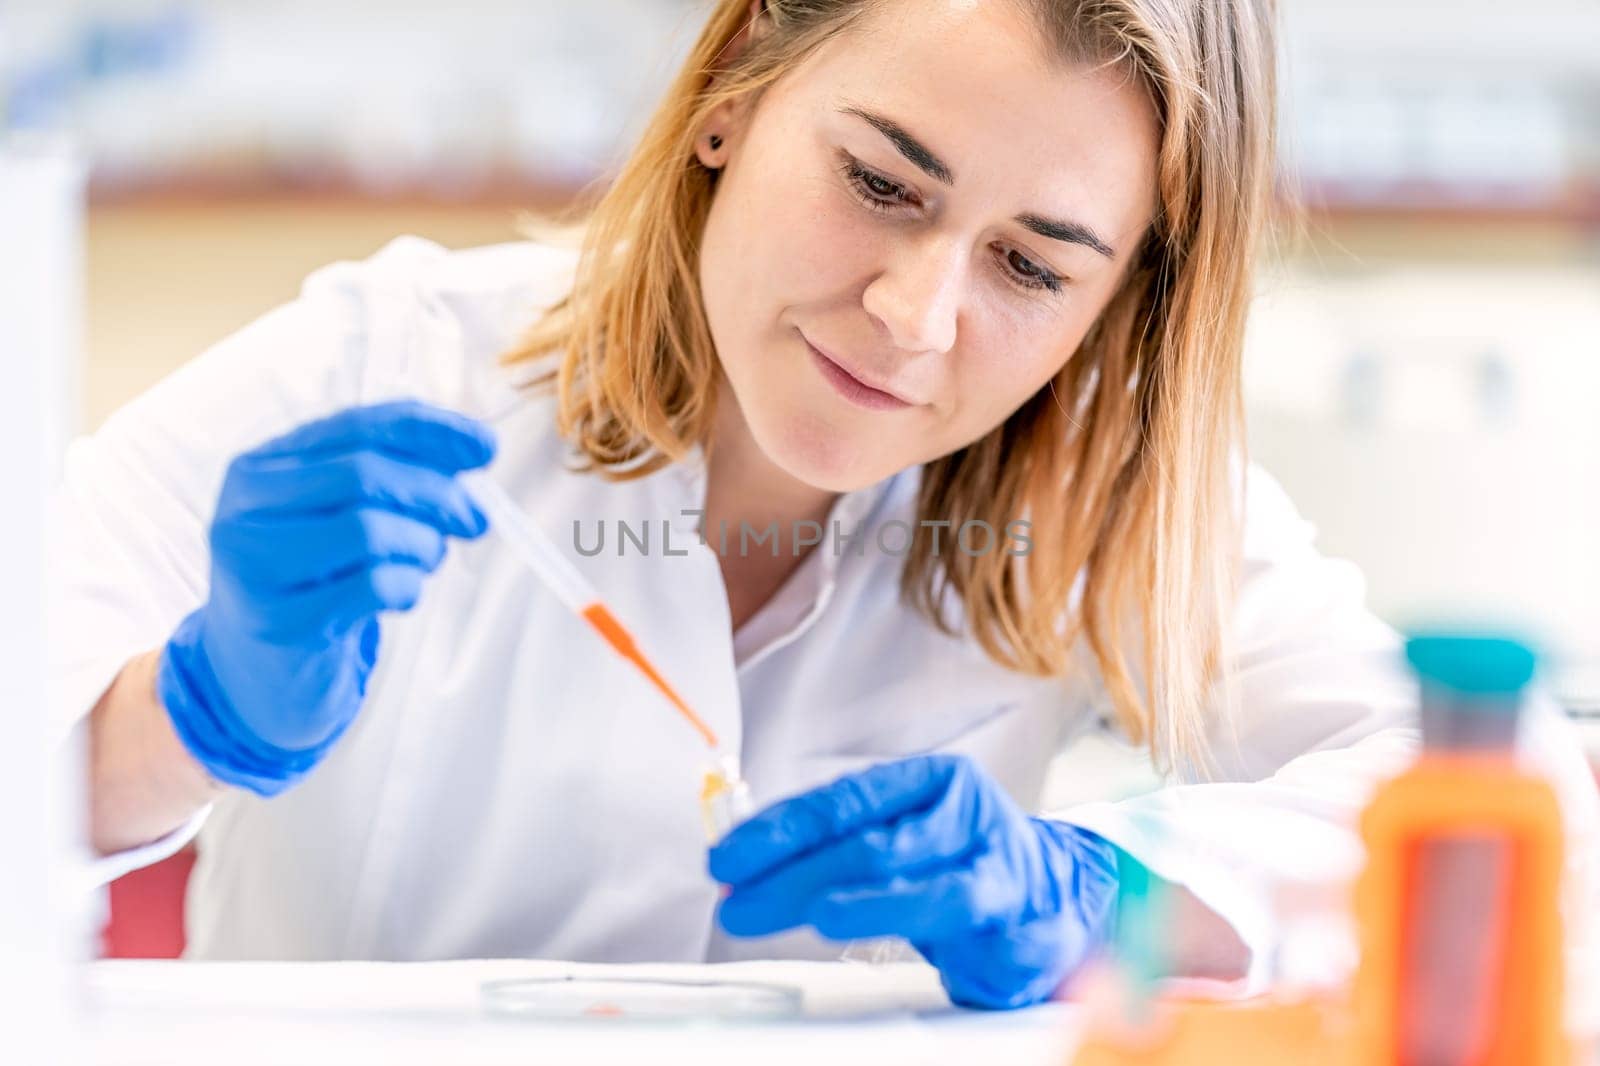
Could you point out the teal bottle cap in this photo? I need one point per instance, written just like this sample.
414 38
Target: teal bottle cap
1472 665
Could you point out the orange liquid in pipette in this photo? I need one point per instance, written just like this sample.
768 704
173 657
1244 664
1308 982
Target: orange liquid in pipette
606 624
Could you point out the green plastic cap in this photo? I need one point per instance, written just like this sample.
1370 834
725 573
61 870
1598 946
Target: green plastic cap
1472 665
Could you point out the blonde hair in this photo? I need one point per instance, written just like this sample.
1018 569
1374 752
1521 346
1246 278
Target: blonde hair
1123 465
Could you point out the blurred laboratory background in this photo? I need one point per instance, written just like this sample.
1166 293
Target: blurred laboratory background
1422 370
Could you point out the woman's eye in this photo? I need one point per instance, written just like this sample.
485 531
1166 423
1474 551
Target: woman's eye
883 187
1030 274
874 190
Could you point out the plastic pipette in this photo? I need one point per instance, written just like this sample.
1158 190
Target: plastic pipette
724 796
572 588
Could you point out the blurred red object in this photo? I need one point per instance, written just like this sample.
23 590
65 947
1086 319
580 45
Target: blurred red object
147 911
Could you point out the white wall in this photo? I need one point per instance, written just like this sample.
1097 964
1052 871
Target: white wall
1439 426
40 220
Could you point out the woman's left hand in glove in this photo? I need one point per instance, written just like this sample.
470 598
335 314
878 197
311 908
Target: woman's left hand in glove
930 848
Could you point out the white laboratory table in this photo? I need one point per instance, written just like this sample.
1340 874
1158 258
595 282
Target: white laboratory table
145 1013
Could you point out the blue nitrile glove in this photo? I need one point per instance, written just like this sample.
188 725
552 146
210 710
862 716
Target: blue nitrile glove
315 533
930 849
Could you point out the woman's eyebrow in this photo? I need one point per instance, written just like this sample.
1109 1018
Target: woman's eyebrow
1070 232
914 150
924 159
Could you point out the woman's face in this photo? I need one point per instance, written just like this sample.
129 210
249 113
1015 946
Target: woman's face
912 232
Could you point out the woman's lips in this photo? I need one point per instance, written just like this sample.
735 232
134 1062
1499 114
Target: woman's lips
854 389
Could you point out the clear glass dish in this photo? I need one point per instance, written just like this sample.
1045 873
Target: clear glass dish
629 999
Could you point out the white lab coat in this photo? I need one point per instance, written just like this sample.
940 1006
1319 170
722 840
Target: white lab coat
511 789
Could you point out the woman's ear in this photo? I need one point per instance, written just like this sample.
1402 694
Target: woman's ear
712 144
711 147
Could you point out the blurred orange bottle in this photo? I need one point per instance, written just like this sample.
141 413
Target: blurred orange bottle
1459 904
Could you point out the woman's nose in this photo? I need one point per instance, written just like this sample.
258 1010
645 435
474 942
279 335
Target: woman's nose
918 296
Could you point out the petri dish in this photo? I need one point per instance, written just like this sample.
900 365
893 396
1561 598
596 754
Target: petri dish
635 999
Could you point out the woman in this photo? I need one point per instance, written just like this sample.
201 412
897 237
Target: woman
879 276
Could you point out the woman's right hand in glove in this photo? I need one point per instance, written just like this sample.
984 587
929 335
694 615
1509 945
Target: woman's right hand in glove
316 533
